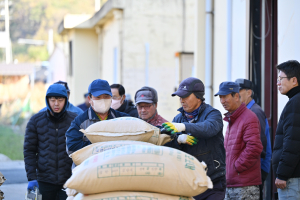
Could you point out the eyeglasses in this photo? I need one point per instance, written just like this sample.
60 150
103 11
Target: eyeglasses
145 107
280 78
117 98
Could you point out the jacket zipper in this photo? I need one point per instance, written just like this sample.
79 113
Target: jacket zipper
56 152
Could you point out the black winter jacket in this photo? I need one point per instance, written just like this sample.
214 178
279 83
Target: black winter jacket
129 108
208 129
286 152
45 153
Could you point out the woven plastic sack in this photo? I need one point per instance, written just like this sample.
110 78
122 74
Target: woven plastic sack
123 128
129 196
79 156
155 169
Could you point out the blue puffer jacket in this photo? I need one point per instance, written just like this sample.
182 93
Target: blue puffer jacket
45 153
75 139
207 128
69 107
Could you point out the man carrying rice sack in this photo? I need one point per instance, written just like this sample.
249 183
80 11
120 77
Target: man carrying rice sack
198 128
100 97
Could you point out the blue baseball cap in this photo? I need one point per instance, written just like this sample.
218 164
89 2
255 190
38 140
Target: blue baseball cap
98 87
227 88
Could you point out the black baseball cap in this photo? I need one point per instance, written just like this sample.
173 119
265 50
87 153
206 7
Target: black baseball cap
227 88
244 84
188 86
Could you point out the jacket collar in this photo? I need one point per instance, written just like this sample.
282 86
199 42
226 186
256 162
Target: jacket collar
203 106
293 92
92 115
123 106
250 104
232 117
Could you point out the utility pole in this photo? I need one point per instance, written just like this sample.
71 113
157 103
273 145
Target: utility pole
8 42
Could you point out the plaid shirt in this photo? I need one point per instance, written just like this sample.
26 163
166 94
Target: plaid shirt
157 120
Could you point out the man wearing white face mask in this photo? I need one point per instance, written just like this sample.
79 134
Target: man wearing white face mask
100 98
119 101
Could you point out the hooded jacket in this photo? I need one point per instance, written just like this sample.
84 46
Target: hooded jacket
45 155
243 148
70 107
208 129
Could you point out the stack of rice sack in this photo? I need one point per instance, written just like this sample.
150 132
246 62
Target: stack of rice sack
123 164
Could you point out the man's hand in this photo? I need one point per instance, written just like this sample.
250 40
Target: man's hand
280 183
174 127
187 139
32 184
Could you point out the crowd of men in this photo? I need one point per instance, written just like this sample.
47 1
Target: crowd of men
237 165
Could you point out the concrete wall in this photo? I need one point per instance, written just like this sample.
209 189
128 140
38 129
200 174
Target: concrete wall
154 31
85 63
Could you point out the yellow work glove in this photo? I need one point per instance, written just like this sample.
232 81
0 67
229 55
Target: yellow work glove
174 127
187 139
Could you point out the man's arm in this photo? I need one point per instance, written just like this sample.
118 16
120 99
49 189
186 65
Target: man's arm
290 155
31 150
74 138
210 127
251 154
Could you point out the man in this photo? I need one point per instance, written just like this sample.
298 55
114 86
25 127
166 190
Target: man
84 106
100 100
246 93
286 152
242 144
146 102
198 121
47 164
119 101
70 107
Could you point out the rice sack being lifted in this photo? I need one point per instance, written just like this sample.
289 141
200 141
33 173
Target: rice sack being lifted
123 128
82 154
129 196
154 169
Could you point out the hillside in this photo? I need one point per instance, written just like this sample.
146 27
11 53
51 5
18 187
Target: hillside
32 19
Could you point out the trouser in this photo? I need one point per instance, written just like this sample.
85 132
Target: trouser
52 192
217 193
264 176
242 193
292 190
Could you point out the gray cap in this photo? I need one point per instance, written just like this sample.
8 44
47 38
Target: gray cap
146 95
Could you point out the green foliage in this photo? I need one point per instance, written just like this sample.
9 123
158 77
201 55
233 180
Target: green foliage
38 53
11 143
33 19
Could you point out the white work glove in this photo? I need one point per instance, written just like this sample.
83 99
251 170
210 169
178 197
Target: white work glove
174 127
187 139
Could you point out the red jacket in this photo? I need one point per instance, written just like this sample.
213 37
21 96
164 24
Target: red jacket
243 148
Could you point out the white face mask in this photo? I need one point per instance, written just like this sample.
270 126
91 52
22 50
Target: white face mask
116 104
102 105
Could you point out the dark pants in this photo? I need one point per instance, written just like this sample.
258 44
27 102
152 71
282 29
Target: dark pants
52 192
264 176
217 193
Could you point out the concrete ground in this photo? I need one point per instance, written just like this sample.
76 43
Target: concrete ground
15 186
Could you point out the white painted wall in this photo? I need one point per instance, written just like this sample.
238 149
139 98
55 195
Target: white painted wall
58 64
159 24
288 38
110 41
85 68
239 44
